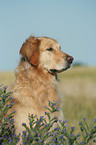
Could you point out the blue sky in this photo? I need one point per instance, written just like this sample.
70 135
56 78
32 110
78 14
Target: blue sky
71 22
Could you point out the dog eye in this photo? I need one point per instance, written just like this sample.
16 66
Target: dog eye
50 49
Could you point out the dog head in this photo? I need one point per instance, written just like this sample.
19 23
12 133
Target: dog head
46 52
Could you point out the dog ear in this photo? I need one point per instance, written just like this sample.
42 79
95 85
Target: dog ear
30 50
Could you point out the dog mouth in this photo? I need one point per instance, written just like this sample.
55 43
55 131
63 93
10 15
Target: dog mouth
54 71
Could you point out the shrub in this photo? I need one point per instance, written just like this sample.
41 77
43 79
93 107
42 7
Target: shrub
6 122
41 130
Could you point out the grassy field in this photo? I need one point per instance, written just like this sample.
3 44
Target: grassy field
78 87
78 91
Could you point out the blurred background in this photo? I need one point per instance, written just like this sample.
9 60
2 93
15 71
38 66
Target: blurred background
73 24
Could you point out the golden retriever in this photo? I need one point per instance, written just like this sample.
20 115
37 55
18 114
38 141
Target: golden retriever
36 78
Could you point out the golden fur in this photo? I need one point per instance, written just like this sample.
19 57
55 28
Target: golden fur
36 78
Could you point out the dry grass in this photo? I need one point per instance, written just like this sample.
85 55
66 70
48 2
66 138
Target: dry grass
78 89
78 86
7 78
79 81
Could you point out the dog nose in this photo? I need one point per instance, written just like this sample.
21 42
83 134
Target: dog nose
69 59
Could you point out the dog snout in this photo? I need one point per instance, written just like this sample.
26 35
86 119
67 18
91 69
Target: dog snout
69 59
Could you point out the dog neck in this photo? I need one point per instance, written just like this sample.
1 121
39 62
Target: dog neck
39 70
38 80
